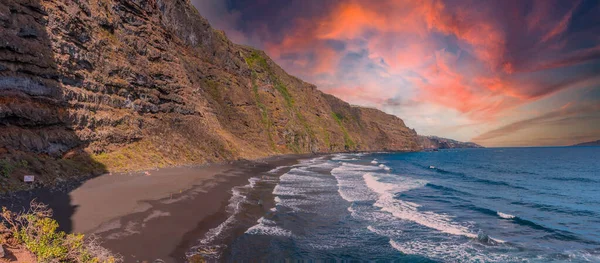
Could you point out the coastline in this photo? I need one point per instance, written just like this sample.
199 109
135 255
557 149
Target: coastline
160 214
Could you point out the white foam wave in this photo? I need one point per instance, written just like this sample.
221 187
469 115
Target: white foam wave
253 181
408 210
374 161
385 167
341 157
323 165
578 255
358 167
296 188
265 221
276 169
351 187
381 232
235 202
306 162
367 214
401 184
505 216
452 251
266 230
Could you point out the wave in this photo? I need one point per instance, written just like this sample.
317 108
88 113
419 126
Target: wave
489 212
237 199
567 236
475 179
386 232
447 189
516 220
556 209
340 157
573 179
451 252
385 167
358 167
442 171
253 181
401 184
313 184
266 230
505 216
277 169
346 156
351 186
553 233
409 211
267 227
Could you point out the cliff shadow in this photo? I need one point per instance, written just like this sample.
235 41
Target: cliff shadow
40 127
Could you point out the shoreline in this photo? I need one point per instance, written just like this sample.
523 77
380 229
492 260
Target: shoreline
145 217
69 184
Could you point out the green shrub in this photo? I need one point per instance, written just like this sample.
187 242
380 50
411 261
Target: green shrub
36 231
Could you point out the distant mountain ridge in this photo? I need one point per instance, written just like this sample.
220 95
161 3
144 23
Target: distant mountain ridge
592 143
434 142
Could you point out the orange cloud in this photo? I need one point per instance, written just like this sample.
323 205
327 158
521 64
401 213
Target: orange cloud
348 21
445 86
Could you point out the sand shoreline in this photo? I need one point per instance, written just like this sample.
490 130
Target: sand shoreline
155 215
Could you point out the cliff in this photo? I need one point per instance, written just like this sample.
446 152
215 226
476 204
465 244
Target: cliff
434 142
113 85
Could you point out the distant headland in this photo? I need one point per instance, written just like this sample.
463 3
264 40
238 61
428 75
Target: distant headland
434 142
592 143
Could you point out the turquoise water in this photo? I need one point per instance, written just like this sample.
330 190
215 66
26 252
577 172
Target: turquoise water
468 205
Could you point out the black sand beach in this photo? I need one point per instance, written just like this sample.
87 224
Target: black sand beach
155 214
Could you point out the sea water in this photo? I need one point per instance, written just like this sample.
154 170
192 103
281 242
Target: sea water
459 205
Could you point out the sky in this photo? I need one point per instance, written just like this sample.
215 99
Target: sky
498 73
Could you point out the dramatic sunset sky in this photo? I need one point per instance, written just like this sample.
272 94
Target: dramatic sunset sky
499 73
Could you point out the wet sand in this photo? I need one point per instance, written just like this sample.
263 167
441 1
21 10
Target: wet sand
166 212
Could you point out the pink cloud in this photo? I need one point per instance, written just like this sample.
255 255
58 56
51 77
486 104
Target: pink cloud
561 26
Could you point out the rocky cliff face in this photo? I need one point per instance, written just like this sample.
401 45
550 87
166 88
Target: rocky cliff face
434 142
93 85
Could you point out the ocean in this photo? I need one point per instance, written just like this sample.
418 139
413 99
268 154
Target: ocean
456 205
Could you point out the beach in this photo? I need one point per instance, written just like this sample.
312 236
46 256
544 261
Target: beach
155 214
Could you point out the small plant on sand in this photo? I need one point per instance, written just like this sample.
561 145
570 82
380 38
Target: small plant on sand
37 232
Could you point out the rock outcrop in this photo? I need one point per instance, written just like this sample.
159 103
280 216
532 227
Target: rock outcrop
96 85
434 142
